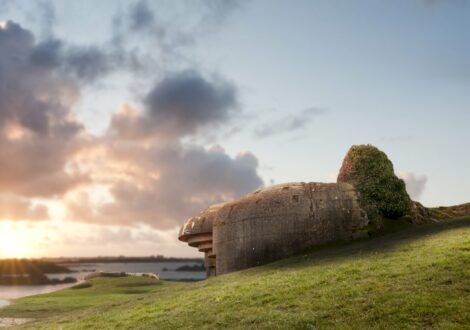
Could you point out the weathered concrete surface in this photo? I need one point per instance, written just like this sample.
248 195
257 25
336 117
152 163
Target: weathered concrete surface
274 223
283 220
197 232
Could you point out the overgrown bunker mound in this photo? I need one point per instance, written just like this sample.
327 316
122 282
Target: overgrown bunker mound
283 220
278 222
382 193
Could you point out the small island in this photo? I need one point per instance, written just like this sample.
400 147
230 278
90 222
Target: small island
31 272
191 268
187 268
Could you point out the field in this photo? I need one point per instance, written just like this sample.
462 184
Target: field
414 278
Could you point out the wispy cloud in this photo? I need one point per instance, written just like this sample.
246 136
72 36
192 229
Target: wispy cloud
290 123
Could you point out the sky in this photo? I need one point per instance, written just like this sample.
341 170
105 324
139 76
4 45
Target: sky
121 119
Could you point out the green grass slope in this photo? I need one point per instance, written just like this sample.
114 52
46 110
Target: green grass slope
416 278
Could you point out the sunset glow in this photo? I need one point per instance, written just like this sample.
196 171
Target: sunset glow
12 245
119 121
311 155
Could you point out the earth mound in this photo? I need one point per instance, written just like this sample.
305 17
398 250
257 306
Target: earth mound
382 193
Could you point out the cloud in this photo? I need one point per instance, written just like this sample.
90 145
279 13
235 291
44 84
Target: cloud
150 174
140 27
39 134
39 13
162 185
85 64
140 42
218 11
44 13
89 63
181 104
14 208
289 123
415 184
141 16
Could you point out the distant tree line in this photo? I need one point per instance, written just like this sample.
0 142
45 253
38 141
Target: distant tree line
31 272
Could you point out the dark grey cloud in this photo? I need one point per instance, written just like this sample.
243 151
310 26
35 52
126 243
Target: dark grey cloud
186 100
22 83
288 123
167 183
90 63
47 54
85 64
179 105
141 16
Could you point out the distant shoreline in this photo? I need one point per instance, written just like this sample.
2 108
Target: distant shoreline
19 272
119 259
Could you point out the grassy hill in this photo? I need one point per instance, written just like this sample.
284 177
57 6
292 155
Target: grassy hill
416 278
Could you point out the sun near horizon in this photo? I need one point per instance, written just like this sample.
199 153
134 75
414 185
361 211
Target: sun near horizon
121 121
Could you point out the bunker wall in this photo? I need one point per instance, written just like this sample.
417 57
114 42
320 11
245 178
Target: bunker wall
284 220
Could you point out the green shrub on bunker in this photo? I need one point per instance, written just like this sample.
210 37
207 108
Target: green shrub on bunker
382 193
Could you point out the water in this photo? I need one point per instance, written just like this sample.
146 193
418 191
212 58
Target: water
81 270
135 267
13 292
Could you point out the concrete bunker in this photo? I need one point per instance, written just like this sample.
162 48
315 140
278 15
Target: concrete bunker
197 232
274 223
285 219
